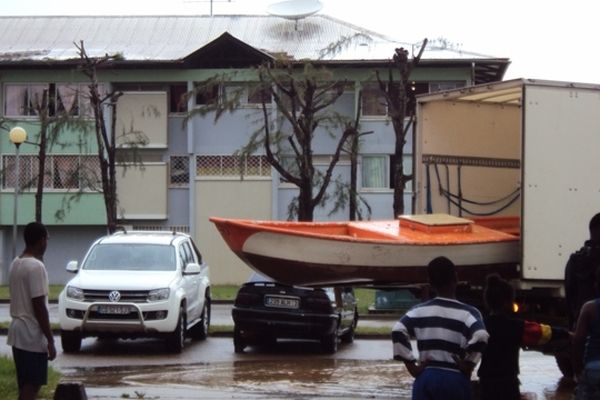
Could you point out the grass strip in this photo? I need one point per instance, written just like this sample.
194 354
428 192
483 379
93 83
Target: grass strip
8 381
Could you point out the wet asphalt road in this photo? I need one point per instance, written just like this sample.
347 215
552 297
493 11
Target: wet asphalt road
211 370
292 369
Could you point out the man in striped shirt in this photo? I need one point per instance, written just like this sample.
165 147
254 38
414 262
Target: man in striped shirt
450 338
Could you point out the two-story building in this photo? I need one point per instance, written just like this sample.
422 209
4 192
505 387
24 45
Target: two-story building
189 171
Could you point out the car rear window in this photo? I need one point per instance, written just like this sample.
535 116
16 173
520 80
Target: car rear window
131 257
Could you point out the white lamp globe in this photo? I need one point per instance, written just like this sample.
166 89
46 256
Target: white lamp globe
17 135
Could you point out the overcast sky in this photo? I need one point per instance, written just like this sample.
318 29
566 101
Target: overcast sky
545 39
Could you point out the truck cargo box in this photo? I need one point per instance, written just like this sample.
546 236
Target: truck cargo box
523 148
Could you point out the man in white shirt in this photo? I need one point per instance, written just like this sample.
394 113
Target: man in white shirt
29 333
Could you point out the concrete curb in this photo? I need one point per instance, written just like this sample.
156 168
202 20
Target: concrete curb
54 301
56 332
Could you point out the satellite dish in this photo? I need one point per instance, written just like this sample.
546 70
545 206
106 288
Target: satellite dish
295 9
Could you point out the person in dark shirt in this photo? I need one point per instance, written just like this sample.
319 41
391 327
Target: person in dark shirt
499 369
586 349
580 273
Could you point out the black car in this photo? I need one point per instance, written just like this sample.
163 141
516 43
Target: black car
265 311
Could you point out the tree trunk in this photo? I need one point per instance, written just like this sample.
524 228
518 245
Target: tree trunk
353 176
39 193
399 183
305 202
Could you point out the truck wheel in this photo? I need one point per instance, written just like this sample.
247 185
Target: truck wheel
239 343
176 339
200 330
329 343
70 341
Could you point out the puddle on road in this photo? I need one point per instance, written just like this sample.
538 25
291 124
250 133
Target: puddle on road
320 378
304 378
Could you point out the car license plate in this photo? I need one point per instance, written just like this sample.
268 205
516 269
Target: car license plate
113 309
282 302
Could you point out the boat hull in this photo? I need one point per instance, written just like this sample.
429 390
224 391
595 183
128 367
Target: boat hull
302 258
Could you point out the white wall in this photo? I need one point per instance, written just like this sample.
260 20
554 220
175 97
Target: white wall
229 198
461 129
561 186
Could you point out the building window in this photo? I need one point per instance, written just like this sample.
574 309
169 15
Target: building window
63 98
177 92
441 86
74 99
256 95
374 104
23 99
247 95
178 98
179 173
232 166
61 172
206 93
377 171
373 101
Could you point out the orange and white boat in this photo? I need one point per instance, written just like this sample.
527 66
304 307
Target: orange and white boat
374 252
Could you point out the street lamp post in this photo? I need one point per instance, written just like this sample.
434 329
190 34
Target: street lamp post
17 136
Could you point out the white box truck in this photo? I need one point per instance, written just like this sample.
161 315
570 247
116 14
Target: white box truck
525 148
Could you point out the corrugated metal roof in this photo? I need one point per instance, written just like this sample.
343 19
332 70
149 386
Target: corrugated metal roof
168 38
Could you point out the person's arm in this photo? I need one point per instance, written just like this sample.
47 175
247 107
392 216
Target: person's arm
402 348
41 315
570 289
536 334
580 336
415 368
476 344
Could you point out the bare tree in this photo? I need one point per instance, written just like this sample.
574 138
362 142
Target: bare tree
346 193
105 136
402 113
302 100
51 122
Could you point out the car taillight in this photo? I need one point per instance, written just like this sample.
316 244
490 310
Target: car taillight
247 299
319 304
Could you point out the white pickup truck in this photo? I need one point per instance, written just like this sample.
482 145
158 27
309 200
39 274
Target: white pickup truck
137 284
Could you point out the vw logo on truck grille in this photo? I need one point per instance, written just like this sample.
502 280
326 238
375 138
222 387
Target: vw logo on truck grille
114 296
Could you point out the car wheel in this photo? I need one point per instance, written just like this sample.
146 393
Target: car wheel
200 330
348 336
329 343
239 343
176 339
70 341
268 341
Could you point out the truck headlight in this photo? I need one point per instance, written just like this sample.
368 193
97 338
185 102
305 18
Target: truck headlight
158 294
74 293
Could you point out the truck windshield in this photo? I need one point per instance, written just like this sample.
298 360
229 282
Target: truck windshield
135 257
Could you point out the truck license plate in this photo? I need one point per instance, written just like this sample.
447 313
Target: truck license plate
282 302
113 309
